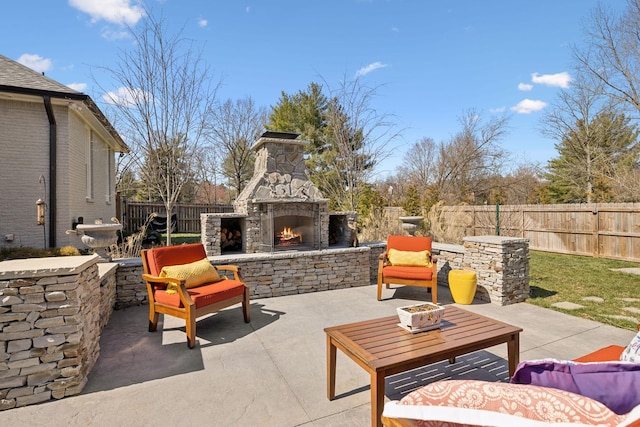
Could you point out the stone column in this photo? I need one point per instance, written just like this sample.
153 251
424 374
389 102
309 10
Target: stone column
210 224
502 266
50 328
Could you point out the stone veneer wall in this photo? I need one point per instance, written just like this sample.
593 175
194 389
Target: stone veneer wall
501 264
130 288
269 275
52 311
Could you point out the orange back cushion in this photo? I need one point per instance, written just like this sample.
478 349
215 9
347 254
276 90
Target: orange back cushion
173 255
409 243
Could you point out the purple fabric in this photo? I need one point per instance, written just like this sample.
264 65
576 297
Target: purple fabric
615 384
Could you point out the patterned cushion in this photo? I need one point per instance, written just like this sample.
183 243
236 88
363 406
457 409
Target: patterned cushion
632 352
482 403
410 258
195 273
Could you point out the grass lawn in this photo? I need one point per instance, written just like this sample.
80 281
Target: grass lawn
180 238
557 277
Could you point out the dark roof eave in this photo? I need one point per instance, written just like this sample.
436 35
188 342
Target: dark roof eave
40 92
76 97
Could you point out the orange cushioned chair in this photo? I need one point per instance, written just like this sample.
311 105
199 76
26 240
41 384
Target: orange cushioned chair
185 301
605 354
405 262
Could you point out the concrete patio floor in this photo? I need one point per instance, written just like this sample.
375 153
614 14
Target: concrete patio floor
272 371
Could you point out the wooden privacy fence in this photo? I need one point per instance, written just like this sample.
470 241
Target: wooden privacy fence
607 230
187 216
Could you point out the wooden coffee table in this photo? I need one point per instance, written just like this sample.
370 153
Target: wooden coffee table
383 348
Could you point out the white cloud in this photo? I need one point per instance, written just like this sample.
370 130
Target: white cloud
202 23
80 87
109 34
558 80
114 11
35 62
369 68
528 106
497 110
123 96
525 87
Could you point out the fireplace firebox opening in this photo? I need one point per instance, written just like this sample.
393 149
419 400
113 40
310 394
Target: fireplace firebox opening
293 232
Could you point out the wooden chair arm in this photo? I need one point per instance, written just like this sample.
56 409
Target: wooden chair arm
233 268
161 280
182 290
227 267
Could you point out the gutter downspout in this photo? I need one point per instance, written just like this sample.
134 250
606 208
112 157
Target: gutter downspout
53 186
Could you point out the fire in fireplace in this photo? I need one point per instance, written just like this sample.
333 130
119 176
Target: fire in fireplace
287 237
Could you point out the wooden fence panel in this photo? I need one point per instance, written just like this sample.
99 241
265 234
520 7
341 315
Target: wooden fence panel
610 230
188 215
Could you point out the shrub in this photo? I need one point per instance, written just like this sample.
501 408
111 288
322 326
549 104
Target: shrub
69 251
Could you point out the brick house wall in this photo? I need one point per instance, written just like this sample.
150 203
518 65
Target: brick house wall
24 142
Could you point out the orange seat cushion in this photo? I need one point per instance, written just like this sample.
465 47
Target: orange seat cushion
605 354
204 295
405 272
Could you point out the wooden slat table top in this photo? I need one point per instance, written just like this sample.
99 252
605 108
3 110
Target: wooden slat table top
383 345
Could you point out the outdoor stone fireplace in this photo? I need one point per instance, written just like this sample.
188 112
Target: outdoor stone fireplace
280 209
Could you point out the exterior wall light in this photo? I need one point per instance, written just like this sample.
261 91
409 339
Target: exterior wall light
40 208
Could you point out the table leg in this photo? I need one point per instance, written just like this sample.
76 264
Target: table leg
513 352
331 369
377 398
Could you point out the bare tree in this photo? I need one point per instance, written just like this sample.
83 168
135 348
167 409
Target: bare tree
472 155
233 129
357 136
419 164
611 54
209 178
163 104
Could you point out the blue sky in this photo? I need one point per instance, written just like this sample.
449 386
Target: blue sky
433 59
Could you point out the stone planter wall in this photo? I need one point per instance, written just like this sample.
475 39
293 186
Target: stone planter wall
51 317
130 289
269 275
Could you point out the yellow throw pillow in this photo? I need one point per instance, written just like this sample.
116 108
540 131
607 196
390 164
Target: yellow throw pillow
196 273
410 258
